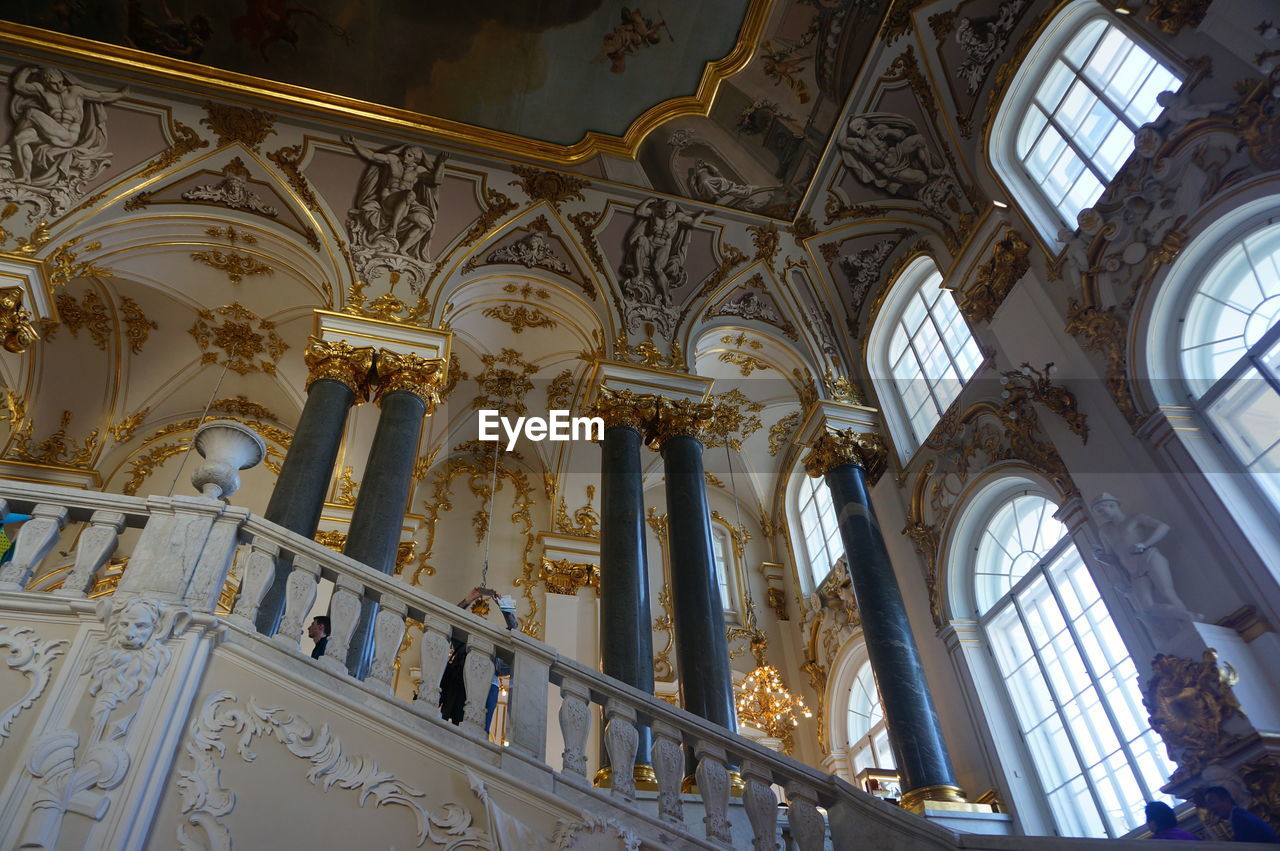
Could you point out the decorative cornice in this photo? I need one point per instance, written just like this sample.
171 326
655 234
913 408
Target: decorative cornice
847 446
339 361
682 418
423 377
624 408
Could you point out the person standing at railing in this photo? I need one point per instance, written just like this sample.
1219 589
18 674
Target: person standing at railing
319 633
453 690
7 540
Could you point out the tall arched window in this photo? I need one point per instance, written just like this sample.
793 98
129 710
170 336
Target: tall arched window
1230 352
868 733
819 531
920 354
726 568
1072 687
1068 121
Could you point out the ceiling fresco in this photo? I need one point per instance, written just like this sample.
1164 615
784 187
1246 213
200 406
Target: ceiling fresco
549 70
728 102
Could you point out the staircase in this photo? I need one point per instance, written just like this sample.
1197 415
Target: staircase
145 718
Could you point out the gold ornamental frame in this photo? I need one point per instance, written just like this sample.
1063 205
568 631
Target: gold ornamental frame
244 87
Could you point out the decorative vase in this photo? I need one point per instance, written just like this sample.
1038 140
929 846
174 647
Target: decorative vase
226 447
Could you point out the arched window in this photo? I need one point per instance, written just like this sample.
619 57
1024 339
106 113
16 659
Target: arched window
726 568
868 733
819 531
1230 352
1068 121
920 354
1072 687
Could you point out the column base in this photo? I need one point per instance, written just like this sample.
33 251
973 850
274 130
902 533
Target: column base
689 786
941 797
646 780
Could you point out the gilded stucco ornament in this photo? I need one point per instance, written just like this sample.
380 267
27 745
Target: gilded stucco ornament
563 576
1172 15
847 446
625 408
339 361
420 376
1030 383
16 330
1190 703
683 418
1009 261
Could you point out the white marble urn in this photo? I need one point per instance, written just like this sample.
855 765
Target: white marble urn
226 447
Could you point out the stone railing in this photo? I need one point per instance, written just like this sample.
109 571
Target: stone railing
185 551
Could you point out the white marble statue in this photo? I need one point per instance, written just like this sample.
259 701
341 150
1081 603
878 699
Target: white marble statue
1129 545
885 150
397 200
58 139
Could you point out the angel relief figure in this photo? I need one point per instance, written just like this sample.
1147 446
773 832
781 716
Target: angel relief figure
635 31
397 200
783 67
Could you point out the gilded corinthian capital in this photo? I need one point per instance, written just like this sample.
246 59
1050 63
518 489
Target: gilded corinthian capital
423 377
624 408
847 446
682 417
340 361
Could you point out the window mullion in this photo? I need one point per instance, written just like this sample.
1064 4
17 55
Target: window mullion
1097 685
1085 159
1058 709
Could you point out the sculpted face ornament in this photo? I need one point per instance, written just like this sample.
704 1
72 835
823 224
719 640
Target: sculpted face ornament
137 623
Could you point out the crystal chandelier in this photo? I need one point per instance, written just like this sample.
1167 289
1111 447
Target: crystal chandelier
765 703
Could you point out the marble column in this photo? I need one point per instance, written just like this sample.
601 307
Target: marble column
701 646
337 376
626 625
406 392
850 461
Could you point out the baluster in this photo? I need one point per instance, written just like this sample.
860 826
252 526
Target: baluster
621 740
761 804
388 633
299 597
574 721
35 538
713 784
527 704
96 546
807 826
477 675
434 649
259 570
344 611
668 765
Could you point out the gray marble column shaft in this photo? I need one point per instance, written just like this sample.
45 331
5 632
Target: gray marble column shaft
304 478
626 626
912 720
701 646
376 521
